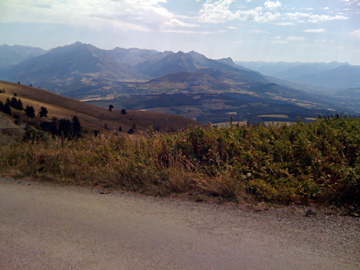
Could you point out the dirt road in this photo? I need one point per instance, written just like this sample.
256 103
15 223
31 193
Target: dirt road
53 227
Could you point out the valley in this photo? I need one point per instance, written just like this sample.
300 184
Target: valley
189 84
283 144
214 107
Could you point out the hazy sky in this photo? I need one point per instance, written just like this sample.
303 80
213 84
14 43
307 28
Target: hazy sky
268 30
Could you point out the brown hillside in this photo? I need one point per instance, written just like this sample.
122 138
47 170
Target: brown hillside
184 80
91 117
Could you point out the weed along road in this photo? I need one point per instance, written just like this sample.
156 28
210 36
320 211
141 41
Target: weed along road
45 226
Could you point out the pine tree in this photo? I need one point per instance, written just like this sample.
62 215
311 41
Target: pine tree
30 112
7 109
65 126
43 112
76 126
19 105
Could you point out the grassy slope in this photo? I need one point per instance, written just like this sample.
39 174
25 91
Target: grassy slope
9 132
91 117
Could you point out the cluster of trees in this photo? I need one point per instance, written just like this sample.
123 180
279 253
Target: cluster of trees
43 112
18 105
5 108
13 102
63 127
30 111
67 128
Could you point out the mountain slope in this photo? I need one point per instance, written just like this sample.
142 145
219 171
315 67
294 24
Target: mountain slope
342 77
285 70
11 55
134 56
329 76
69 65
188 80
191 62
267 68
306 69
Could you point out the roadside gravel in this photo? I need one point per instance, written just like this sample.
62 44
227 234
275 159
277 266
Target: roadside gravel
46 226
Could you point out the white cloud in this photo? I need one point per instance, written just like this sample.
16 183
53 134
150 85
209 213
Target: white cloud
152 15
314 30
350 2
272 5
356 33
191 32
320 18
290 39
279 40
313 18
295 39
285 23
222 11
219 12
122 14
257 31
176 22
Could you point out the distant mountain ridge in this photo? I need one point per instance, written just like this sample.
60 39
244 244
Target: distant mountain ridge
65 68
331 76
341 77
73 62
86 72
134 56
288 69
12 55
79 65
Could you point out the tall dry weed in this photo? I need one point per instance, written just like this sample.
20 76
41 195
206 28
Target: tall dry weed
302 163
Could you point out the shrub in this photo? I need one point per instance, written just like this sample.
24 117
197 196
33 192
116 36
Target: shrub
302 163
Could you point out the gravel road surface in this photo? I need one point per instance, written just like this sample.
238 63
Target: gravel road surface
45 226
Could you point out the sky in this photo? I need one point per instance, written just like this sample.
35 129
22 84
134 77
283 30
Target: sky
245 30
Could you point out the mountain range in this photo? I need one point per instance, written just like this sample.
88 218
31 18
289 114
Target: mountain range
85 72
328 77
12 55
65 68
